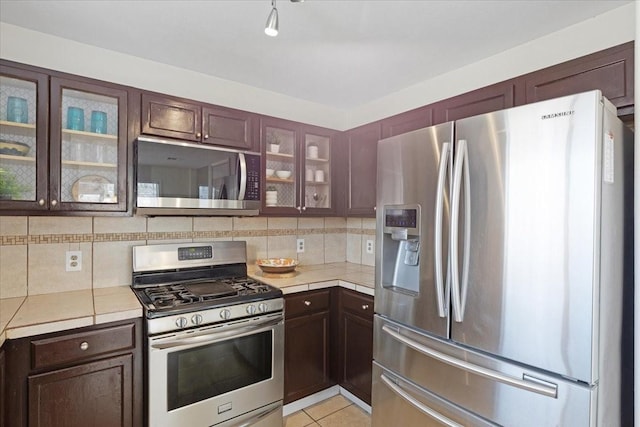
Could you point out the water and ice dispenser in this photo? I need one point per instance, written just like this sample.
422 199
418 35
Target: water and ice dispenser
401 243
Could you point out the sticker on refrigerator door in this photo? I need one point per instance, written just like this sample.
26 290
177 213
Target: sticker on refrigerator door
608 166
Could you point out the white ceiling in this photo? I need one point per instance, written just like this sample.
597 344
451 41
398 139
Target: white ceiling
338 53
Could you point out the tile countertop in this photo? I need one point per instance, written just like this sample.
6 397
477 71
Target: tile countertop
308 277
40 314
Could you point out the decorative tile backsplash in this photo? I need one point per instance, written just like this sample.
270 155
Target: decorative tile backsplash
32 249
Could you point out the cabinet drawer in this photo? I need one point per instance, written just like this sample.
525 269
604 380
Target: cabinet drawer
307 302
359 304
75 347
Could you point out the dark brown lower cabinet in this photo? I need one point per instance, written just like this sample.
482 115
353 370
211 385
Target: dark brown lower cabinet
85 377
328 340
92 394
307 344
356 343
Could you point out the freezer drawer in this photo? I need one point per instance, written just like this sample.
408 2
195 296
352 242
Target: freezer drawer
491 388
399 402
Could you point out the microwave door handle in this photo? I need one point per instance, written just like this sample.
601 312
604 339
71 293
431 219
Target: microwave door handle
444 157
242 163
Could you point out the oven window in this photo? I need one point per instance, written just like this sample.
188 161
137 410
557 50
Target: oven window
202 372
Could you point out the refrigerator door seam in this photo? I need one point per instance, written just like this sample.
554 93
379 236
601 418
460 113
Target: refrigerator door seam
550 390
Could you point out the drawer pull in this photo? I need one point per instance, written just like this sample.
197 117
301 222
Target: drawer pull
84 346
307 303
365 306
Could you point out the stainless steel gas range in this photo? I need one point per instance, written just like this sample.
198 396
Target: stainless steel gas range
215 337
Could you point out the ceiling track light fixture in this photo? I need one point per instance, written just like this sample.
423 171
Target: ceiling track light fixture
271 27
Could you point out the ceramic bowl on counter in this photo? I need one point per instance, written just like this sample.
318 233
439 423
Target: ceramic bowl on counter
277 265
283 174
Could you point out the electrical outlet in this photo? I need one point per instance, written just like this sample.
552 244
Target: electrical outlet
369 246
300 246
73 261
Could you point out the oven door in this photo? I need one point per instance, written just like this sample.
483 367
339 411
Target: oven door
207 376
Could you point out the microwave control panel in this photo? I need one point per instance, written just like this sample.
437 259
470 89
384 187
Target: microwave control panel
253 177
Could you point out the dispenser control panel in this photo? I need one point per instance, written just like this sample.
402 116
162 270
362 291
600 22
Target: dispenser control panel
403 218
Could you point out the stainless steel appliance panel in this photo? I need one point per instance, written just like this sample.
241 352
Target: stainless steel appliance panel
490 388
180 178
408 169
208 396
397 401
526 280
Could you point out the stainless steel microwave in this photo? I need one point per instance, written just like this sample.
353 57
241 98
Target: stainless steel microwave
181 178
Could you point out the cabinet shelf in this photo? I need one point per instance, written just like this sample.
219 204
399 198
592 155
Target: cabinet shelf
78 164
17 158
280 156
316 160
24 129
280 180
310 183
90 135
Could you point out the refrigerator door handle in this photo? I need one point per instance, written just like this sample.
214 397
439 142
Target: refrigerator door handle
545 389
417 404
453 235
442 171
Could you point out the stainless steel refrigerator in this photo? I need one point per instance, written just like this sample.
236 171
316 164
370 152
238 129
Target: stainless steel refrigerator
500 255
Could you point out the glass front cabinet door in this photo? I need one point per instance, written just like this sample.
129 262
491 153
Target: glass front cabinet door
280 145
88 147
298 168
23 139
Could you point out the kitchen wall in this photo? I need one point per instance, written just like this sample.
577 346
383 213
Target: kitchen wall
606 30
32 249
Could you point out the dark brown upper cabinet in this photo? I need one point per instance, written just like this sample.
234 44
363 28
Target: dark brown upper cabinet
298 164
362 155
406 122
68 144
485 100
610 71
171 117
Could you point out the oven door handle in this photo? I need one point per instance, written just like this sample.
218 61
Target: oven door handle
209 336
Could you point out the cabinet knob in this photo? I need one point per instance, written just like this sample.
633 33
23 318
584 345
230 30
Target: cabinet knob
41 202
198 135
375 208
307 303
365 306
54 202
304 208
299 209
84 345
206 136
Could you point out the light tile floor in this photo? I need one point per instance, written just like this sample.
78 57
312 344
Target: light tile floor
333 412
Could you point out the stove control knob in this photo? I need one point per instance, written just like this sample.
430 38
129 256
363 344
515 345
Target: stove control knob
225 314
181 322
251 309
262 307
196 319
